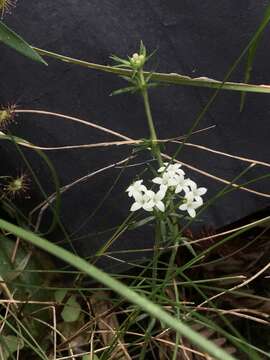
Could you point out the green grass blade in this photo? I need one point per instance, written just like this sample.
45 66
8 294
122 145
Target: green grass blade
100 276
172 78
13 40
252 52
56 208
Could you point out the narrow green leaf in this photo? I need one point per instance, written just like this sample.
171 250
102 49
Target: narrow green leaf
172 78
123 90
137 224
13 40
150 307
55 209
252 52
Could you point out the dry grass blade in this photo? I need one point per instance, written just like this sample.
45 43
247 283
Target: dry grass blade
236 287
124 137
206 148
101 304
45 204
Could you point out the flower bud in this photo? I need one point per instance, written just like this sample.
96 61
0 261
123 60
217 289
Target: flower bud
137 61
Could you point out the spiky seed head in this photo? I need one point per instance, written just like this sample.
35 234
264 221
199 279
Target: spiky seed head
7 115
6 6
17 186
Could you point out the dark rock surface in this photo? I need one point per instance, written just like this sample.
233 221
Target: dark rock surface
193 38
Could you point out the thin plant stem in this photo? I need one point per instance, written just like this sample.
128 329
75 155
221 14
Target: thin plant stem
153 134
177 335
156 254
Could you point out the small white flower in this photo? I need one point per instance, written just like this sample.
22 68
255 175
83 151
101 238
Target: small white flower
197 192
182 184
155 199
142 201
190 204
168 179
162 168
175 168
136 188
137 60
135 56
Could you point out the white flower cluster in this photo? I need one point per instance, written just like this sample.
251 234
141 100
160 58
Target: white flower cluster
172 179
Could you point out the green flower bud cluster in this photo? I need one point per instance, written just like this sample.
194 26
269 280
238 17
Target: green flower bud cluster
137 61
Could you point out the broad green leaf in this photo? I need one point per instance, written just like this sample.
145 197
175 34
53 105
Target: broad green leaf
59 295
9 345
89 357
72 310
13 40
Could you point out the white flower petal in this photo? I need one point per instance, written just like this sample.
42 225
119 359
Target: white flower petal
136 206
136 187
192 184
192 212
197 203
163 188
178 189
189 197
186 189
172 182
180 172
201 191
160 195
141 189
170 174
148 206
183 207
138 196
157 180
160 206
162 168
149 194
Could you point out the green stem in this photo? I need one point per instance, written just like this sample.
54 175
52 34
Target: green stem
156 254
153 134
177 335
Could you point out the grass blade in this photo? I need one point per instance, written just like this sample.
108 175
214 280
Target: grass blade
252 52
100 276
172 78
13 40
